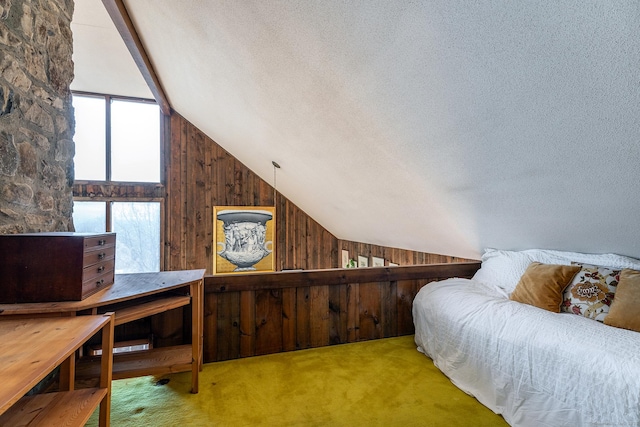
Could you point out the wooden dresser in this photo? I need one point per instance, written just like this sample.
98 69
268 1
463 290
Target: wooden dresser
43 267
30 349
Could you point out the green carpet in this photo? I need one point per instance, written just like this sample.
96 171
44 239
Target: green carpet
374 383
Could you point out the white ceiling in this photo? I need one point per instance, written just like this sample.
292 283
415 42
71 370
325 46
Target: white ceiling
443 126
101 60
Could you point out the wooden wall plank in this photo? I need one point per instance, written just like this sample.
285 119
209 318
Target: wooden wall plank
282 233
210 345
290 258
353 312
199 212
405 290
268 306
206 258
338 314
182 208
228 326
303 317
173 219
289 324
247 323
190 213
300 241
319 318
389 308
370 311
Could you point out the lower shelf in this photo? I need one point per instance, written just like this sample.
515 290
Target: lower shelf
60 408
157 361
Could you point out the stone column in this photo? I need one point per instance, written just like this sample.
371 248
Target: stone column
36 116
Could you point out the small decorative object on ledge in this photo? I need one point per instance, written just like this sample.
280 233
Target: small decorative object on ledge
244 238
56 266
377 261
363 261
345 259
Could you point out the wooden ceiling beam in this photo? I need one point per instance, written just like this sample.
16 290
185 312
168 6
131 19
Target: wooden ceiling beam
120 17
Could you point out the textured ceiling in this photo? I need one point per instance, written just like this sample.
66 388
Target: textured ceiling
102 63
441 126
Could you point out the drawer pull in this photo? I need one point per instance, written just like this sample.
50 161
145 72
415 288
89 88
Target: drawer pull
102 255
100 282
102 242
101 269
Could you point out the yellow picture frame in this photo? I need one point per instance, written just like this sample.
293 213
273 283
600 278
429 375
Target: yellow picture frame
244 239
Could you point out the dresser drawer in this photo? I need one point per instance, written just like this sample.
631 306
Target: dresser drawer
92 271
95 243
48 267
95 284
98 255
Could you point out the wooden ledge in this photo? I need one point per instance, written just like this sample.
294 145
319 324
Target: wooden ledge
338 276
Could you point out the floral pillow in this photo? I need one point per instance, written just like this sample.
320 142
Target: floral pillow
591 292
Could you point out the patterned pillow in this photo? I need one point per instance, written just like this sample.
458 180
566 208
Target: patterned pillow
591 292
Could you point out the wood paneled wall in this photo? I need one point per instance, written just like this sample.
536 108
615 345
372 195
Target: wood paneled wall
263 313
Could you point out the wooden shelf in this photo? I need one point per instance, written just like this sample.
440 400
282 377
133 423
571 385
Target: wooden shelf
157 361
61 408
136 312
33 348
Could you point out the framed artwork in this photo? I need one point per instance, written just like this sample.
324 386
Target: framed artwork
345 258
377 262
244 239
363 261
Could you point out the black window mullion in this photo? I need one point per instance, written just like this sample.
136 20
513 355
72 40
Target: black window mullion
108 137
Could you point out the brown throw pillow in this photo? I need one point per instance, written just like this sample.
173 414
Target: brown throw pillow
625 308
541 285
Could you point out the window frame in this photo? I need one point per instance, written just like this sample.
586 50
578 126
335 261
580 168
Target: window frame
109 191
108 99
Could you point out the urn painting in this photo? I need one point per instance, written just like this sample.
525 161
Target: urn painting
244 239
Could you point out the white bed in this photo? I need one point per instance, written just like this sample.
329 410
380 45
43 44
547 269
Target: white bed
535 367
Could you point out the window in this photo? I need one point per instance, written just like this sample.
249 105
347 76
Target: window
135 141
118 147
117 139
90 160
137 228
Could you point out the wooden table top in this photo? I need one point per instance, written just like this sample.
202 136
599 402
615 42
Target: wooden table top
124 288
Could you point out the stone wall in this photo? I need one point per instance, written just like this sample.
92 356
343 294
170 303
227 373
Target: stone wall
36 116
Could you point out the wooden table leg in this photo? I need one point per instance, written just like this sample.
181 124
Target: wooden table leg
68 373
197 320
106 370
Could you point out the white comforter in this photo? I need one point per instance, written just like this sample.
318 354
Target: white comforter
534 367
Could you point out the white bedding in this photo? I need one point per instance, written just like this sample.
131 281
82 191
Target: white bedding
534 367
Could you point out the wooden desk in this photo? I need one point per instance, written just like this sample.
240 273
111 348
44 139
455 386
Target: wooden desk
132 297
30 349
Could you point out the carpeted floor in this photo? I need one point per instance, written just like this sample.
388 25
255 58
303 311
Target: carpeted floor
374 383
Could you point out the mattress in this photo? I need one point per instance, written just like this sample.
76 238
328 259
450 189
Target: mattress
534 367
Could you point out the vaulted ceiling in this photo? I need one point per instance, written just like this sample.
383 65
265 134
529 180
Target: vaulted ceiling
443 126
